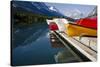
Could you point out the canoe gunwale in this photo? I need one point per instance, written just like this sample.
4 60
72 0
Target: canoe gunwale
82 26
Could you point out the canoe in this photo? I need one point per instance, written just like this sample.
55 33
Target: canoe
60 23
53 26
88 22
77 30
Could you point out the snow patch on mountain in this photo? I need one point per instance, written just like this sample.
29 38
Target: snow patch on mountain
52 8
75 13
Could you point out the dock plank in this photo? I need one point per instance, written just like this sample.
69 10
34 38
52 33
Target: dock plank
92 55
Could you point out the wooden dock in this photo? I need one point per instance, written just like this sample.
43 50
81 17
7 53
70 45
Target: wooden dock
87 46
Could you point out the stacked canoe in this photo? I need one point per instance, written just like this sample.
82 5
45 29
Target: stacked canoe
83 27
53 26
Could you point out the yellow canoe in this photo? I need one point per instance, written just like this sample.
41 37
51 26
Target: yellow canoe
76 30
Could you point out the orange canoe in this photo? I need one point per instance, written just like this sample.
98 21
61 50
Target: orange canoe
77 30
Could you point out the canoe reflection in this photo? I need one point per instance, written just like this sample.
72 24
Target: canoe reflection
55 43
64 55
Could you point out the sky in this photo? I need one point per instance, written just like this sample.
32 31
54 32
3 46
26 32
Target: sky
73 9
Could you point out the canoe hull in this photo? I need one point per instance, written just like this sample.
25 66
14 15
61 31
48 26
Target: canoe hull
88 22
60 23
53 26
76 30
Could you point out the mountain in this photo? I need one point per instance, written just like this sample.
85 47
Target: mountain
75 13
35 8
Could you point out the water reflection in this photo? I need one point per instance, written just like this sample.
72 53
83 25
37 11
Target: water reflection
64 55
55 42
36 45
24 35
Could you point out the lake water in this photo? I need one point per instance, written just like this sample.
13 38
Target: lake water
32 45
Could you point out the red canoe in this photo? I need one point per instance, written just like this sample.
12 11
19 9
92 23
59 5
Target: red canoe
53 26
88 22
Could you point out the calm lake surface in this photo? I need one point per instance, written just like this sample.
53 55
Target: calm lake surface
33 45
